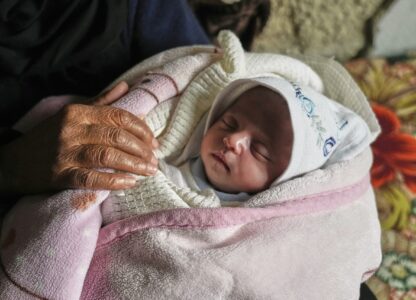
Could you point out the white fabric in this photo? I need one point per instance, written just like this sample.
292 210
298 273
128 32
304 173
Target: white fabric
180 140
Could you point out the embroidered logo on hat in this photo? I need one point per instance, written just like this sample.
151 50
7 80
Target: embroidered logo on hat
307 104
329 145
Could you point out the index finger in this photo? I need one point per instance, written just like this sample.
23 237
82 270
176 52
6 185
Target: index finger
125 120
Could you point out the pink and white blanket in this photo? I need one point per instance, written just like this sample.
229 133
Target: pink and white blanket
313 237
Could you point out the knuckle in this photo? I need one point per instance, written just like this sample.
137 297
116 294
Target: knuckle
85 179
88 155
116 136
116 115
104 156
111 181
125 118
89 181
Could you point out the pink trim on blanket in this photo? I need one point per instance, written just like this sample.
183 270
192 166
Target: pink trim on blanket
229 216
169 78
147 91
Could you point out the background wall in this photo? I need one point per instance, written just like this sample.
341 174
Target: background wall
395 30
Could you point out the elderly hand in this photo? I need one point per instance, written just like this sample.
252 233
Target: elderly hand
66 150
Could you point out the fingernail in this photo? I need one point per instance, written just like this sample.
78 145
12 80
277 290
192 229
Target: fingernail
155 143
129 181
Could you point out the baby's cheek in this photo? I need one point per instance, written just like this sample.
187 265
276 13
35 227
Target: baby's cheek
254 178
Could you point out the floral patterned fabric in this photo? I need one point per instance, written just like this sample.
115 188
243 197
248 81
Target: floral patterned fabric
391 89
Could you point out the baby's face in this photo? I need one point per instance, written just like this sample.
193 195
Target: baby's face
250 145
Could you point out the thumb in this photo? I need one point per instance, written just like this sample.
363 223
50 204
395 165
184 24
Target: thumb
112 95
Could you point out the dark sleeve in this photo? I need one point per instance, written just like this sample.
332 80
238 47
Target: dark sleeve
160 25
54 47
50 47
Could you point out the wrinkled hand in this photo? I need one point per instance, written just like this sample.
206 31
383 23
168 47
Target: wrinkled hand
66 150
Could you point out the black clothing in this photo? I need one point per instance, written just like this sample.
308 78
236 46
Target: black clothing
51 47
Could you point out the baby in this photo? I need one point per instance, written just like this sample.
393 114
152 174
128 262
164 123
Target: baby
258 133
250 144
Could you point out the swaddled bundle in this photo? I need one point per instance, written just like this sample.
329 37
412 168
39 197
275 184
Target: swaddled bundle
318 231
287 129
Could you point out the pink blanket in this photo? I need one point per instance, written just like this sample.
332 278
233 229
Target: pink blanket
316 237
322 244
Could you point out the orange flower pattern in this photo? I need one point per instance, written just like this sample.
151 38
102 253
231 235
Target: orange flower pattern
394 151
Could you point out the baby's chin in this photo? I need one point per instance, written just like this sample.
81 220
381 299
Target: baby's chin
228 187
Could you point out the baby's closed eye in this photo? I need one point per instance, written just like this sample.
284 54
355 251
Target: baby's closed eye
229 122
260 151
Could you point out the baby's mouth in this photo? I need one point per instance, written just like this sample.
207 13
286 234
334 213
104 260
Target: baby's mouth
221 159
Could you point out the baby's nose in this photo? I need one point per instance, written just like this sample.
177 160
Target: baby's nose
237 142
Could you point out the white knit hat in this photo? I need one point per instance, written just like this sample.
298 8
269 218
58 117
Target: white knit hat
323 130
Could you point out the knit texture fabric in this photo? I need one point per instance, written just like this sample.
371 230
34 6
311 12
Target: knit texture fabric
158 192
